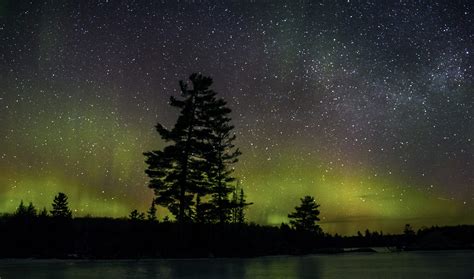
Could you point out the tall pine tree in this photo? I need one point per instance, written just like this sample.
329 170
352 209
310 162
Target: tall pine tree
60 207
177 173
191 175
238 205
220 157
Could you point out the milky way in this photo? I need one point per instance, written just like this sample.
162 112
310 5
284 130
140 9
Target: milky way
368 106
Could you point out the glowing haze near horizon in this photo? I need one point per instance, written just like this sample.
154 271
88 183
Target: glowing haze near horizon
366 106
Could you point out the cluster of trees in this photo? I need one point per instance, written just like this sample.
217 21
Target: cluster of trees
192 175
112 238
60 209
237 213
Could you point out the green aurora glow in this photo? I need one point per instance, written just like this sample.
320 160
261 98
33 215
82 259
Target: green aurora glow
325 103
107 179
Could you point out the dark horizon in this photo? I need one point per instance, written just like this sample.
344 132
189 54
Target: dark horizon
142 236
396 229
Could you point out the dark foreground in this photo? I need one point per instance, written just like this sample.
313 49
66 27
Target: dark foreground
105 238
427 264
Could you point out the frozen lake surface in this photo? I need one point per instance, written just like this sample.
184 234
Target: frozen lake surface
438 264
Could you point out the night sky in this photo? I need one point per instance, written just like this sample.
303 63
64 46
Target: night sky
368 106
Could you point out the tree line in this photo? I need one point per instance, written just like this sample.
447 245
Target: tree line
60 209
192 176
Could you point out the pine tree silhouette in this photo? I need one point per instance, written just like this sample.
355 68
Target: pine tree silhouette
151 213
60 207
242 204
31 210
135 215
195 161
25 211
21 210
220 156
306 216
238 204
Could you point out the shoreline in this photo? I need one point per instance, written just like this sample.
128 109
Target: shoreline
361 250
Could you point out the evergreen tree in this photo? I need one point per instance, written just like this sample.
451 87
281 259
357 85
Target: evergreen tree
135 215
242 205
25 211
178 172
306 216
21 210
239 204
31 210
191 175
60 207
151 213
220 156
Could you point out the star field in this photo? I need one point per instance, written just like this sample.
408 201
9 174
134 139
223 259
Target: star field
366 105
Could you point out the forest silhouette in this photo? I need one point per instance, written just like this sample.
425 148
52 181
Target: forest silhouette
192 177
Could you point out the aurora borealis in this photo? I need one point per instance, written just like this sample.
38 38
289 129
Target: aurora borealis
367 106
